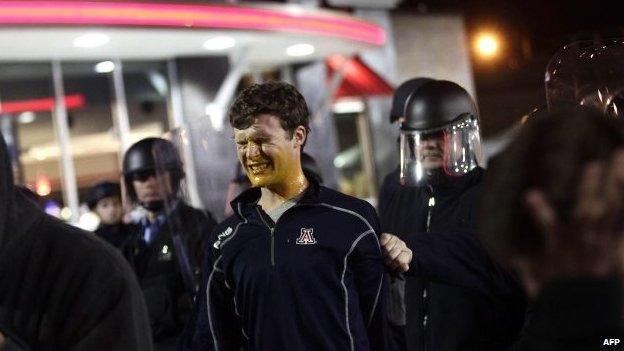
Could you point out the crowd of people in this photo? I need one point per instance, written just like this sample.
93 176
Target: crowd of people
526 255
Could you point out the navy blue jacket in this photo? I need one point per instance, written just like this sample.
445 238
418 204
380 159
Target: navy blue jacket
312 281
456 297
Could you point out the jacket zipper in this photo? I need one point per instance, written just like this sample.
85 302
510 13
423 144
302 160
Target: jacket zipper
431 205
271 235
272 230
429 211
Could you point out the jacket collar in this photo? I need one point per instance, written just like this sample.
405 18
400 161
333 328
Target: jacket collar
247 201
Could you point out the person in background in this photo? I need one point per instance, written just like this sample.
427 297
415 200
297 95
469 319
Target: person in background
104 199
168 251
454 297
391 181
61 288
552 209
311 168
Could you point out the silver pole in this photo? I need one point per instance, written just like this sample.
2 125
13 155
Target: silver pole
70 188
120 108
366 146
174 99
176 121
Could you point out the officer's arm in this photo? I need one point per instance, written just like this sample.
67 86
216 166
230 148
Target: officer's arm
457 258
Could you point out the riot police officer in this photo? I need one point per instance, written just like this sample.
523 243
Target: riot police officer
455 298
104 199
167 253
399 98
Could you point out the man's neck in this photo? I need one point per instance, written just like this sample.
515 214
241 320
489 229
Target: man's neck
273 196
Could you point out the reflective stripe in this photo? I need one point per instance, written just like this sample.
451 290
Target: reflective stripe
344 286
215 269
370 227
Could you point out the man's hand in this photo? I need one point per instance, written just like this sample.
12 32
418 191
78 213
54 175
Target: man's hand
397 256
1 340
591 242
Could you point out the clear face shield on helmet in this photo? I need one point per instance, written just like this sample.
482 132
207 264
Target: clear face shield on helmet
589 73
435 155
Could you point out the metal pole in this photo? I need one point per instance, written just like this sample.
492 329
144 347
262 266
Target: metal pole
366 147
120 108
70 189
174 100
176 121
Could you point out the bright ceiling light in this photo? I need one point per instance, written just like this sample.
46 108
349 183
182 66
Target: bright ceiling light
487 45
219 43
349 106
91 40
300 50
26 117
105 67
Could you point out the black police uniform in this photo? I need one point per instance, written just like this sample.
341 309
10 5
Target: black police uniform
62 288
168 270
160 275
455 297
118 234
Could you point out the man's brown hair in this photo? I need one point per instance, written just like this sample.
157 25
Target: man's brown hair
279 99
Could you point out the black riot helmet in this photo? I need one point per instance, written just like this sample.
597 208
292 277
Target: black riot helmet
101 191
439 134
436 104
402 93
147 157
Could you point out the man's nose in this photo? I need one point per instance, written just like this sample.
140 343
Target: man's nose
253 149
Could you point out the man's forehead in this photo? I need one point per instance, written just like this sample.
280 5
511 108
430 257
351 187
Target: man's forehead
263 125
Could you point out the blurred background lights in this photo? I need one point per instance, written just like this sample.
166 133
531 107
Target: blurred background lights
487 45
91 40
300 50
219 43
105 67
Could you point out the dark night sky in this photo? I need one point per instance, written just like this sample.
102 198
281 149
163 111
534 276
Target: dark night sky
533 31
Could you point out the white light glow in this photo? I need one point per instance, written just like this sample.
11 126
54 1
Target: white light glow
26 117
216 114
349 106
219 43
89 221
91 40
105 67
298 50
487 45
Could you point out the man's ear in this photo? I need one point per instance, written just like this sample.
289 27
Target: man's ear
300 135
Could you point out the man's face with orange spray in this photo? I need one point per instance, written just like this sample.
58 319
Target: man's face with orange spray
266 152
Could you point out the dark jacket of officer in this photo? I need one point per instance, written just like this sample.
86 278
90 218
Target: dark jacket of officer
62 288
118 235
456 298
158 268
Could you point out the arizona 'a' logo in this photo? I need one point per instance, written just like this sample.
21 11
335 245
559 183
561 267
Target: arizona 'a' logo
306 237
